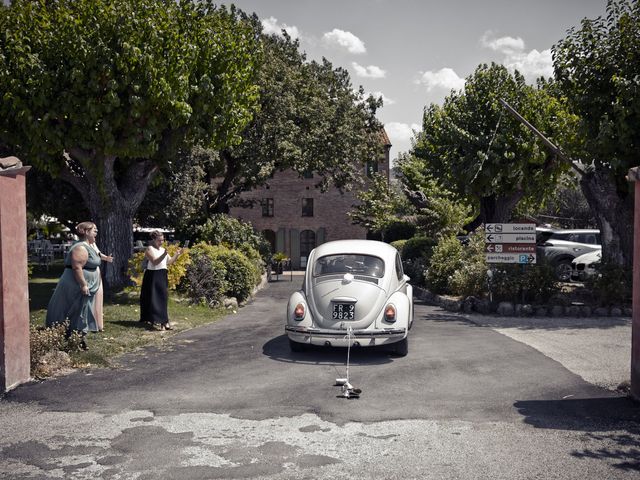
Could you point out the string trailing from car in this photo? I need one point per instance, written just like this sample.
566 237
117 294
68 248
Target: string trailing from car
348 390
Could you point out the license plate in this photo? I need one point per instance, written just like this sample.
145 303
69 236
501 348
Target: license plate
344 311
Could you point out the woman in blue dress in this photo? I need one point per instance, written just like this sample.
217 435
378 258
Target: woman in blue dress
74 295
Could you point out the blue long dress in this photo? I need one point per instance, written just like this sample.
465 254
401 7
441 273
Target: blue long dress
68 302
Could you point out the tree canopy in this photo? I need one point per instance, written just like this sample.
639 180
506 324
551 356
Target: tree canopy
597 67
102 93
474 149
310 119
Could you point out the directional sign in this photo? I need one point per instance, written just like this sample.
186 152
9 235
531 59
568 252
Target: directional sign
510 238
510 228
510 243
523 258
509 248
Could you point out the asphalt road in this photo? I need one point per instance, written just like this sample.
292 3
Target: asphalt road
230 400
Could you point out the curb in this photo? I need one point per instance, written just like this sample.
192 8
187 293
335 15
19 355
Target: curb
509 309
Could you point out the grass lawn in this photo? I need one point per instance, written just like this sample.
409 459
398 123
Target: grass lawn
122 331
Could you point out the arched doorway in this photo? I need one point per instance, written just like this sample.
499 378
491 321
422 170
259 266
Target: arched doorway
270 236
307 243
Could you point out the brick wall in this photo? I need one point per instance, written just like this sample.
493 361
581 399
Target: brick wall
288 189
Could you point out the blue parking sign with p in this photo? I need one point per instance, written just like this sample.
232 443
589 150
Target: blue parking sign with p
523 259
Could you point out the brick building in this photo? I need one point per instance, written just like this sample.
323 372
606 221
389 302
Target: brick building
295 216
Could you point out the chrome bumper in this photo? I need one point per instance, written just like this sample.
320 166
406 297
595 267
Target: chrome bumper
319 332
340 338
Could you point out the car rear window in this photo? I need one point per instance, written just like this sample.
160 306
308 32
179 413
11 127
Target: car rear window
349 263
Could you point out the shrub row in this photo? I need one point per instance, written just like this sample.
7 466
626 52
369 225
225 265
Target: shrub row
449 267
207 273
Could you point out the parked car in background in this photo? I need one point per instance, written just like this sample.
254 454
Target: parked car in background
562 246
585 266
354 293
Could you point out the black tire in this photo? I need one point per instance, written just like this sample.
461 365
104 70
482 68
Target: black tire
296 346
401 348
563 270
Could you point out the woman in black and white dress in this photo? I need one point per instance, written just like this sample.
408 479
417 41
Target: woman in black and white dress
154 295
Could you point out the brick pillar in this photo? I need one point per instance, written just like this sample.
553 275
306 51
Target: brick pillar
14 281
634 176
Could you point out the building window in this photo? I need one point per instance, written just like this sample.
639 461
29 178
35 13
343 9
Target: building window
372 167
267 207
307 243
307 174
270 236
307 207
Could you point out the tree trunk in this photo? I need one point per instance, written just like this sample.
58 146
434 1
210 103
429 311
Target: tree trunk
112 203
613 210
495 209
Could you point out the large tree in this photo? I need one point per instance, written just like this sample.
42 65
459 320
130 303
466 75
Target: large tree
474 149
101 93
310 119
598 68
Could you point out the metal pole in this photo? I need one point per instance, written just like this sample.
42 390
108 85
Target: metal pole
634 176
552 146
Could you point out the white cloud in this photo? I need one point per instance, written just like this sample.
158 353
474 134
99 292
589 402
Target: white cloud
531 65
506 45
445 78
371 71
271 26
342 39
401 133
386 100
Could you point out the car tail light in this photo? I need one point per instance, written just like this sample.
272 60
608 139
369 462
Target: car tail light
298 313
390 313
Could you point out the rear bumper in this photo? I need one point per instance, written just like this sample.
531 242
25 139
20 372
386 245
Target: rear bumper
339 338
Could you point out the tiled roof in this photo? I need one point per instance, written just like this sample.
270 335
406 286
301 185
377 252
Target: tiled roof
384 137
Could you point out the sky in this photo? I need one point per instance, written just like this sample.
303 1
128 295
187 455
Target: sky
413 52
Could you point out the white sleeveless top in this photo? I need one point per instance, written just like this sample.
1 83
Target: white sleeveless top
163 263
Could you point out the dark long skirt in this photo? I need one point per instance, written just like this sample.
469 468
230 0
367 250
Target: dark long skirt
154 297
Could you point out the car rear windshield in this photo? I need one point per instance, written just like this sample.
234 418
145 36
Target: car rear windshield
349 263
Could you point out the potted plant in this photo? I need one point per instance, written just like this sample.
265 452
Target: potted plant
279 259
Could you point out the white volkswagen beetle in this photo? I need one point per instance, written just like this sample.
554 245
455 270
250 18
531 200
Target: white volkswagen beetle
354 291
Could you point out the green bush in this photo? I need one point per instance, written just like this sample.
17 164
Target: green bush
418 247
222 229
524 283
471 278
239 273
256 260
398 245
611 285
204 282
399 230
447 258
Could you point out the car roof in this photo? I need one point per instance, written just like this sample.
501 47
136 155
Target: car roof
363 247
578 230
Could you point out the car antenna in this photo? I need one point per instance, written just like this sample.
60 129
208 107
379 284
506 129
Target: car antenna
348 390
